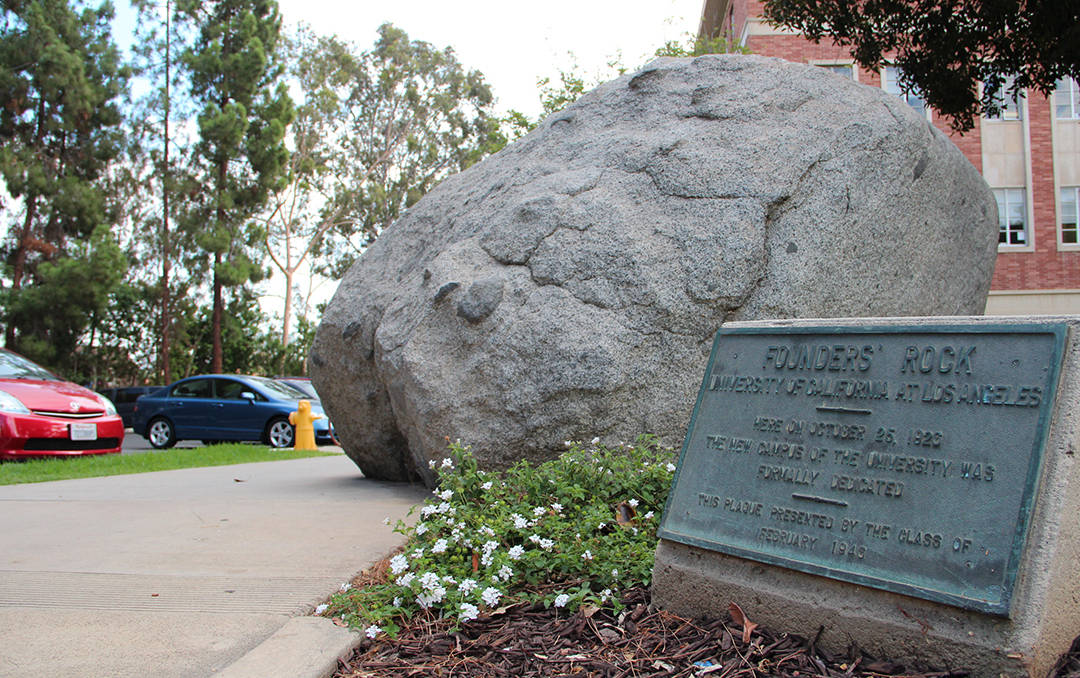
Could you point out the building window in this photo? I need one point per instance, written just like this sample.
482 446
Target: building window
1010 104
1066 100
891 81
1070 200
1012 216
843 70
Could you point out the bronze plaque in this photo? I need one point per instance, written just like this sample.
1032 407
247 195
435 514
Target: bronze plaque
900 457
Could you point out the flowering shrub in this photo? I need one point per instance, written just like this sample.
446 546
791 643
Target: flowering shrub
566 532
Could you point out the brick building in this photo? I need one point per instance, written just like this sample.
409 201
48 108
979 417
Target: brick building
1029 155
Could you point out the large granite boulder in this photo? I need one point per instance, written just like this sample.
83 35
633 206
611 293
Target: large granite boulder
569 286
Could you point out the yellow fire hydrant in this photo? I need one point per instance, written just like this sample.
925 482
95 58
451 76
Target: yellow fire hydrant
302 421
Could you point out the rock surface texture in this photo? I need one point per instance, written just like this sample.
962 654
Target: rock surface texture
570 285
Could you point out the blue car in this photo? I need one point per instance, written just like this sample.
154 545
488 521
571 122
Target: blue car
218 407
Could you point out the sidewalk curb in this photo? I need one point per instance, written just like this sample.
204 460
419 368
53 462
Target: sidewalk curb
306 647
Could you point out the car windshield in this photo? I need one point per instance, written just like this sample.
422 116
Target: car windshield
279 390
14 366
302 386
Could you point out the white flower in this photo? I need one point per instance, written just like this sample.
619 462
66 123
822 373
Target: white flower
505 572
446 463
428 509
435 595
386 520
519 522
633 503
421 528
439 546
418 553
490 546
446 495
397 601
447 579
534 538
601 526
587 555
556 507
469 612
431 464
321 608
488 531
568 443
516 552
429 580
372 631
443 507
491 596
670 467
546 544
487 485
561 600
466 586
346 586
615 573
648 515
604 595
596 440
399 564
539 511
405 579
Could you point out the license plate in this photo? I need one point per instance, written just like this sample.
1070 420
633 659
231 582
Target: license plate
84 431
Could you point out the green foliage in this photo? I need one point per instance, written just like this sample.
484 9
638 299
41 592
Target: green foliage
568 532
241 154
946 49
74 289
693 46
60 77
381 127
99 465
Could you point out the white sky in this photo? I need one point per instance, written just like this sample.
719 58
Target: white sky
513 43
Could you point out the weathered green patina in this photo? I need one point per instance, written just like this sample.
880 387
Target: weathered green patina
903 458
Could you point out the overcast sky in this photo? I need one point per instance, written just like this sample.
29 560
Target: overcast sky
513 43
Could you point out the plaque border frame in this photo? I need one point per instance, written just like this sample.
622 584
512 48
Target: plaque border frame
1002 605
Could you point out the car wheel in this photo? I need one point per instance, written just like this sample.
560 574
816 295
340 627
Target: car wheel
279 433
160 433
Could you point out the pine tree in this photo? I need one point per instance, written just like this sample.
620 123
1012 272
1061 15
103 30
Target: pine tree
60 127
241 155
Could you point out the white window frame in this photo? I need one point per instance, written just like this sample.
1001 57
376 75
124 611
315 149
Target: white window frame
833 64
1007 196
1069 195
891 84
1067 96
1012 108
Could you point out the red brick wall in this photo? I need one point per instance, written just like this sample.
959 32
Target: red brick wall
1046 267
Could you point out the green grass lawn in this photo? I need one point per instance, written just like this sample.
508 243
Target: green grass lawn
93 466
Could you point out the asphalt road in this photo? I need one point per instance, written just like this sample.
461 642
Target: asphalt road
136 444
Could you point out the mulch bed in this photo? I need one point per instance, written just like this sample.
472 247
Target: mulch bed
529 641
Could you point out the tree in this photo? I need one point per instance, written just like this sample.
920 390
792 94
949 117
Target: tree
59 131
245 109
69 293
160 38
403 116
946 49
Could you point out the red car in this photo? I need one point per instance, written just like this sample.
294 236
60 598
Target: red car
41 414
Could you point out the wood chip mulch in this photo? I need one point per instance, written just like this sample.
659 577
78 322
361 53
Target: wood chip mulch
529 641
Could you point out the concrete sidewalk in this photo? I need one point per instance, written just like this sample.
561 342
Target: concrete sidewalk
183 573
